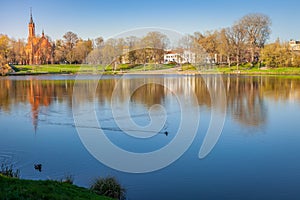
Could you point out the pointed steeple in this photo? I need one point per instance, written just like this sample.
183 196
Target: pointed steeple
43 33
31 26
31 19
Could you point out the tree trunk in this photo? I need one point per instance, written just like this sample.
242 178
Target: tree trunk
237 61
228 60
252 54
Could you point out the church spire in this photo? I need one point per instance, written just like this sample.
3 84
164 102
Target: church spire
31 26
31 20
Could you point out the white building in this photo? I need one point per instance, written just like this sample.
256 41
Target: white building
181 58
171 56
188 57
294 45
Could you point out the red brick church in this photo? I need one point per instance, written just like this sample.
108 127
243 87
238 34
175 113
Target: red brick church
38 49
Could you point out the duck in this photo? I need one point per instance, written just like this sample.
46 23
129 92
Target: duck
38 167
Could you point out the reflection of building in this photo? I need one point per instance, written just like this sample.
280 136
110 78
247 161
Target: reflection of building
294 45
38 95
38 49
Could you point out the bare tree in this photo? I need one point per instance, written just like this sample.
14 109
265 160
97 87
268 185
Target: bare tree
99 42
186 42
109 52
154 44
132 42
17 54
257 27
224 46
237 39
70 40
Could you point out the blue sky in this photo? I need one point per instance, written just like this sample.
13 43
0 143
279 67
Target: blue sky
94 18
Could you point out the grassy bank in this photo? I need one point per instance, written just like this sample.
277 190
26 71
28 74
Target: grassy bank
12 188
127 68
243 69
52 69
257 70
74 69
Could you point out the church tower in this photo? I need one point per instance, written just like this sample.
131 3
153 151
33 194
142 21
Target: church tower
31 26
38 49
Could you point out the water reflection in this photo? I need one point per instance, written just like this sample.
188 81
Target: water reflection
44 103
245 95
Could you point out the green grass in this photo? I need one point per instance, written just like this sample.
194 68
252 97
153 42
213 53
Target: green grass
246 69
150 67
74 69
256 70
57 69
187 67
12 188
52 69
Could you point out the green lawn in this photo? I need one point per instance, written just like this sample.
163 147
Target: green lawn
150 67
256 70
244 69
12 188
57 68
123 68
40 69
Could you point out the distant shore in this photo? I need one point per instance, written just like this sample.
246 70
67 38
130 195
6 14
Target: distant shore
24 70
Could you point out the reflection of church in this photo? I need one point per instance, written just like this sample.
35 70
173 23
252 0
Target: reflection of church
38 95
38 49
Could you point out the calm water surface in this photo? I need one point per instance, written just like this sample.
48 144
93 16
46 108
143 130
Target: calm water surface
256 157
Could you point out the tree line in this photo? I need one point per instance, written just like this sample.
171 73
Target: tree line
243 42
132 50
70 49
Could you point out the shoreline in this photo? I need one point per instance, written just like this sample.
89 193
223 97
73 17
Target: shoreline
159 73
220 70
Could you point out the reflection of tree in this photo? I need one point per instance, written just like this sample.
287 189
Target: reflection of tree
35 92
245 100
149 94
245 95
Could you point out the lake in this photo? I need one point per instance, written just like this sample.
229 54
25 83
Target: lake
248 127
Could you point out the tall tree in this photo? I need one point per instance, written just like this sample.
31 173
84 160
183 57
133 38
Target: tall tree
237 39
257 27
99 42
154 44
186 42
60 52
82 49
17 54
109 52
208 41
224 47
4 49
132 42
70 40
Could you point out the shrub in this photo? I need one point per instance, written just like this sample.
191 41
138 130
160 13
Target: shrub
9 171
68 179
109 187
